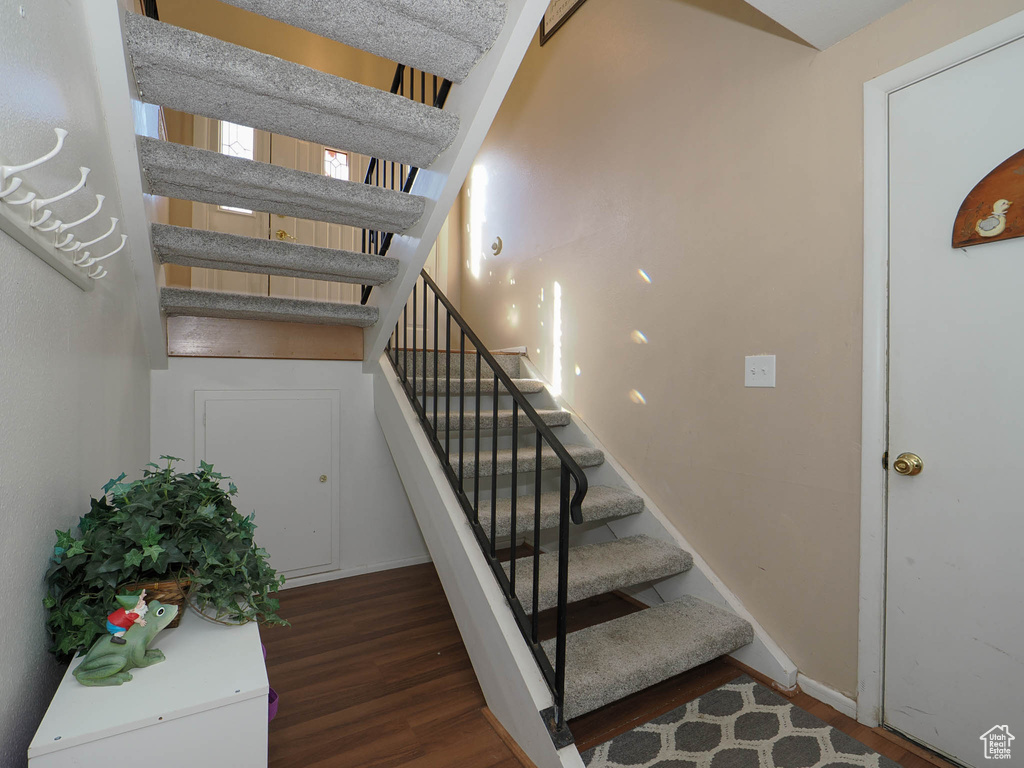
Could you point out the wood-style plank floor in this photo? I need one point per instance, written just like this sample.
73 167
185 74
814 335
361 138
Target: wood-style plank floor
373 672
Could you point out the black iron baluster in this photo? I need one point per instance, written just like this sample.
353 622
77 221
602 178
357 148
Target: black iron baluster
494 461
447 385
476 446
536 540
423 87
437 303
405 340
515 491
424 346
414 292
563 594
396 344
462 404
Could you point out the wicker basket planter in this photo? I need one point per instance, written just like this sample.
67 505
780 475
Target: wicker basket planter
167 592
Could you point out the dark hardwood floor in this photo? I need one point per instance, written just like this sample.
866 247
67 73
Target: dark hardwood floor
373 672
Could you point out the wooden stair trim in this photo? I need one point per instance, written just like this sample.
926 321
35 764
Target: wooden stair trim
261 339
506 737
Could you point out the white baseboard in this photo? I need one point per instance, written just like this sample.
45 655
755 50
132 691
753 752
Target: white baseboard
319 578
838 701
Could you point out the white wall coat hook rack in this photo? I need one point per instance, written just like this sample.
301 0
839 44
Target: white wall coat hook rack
41 231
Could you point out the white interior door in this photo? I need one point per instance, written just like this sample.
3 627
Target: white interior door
240 142
954 636
281 448
287 152
313 158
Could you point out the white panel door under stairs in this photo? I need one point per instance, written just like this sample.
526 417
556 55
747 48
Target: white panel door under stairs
954 634
281 448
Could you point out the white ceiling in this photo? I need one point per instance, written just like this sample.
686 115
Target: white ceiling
825 22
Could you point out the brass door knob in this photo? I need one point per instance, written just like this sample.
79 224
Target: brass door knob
282 235
323 478
909 464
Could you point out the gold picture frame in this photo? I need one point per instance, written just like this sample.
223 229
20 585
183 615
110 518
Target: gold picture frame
556 15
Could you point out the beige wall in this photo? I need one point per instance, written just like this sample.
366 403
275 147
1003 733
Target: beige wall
714 151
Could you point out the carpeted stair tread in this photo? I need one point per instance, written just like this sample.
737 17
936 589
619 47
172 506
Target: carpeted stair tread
584 455
610 661
509 363
597 569
183 301
201 75
526 386
188 173
217 250
553 418
443 37
600 503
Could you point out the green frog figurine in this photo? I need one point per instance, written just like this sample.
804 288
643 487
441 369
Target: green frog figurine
107 662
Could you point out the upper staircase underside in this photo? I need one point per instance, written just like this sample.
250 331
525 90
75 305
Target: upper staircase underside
197 74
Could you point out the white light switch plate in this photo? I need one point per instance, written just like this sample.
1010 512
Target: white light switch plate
759 371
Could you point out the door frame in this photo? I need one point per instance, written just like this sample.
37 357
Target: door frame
874 408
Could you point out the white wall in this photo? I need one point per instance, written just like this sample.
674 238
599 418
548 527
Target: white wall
377 526
74 390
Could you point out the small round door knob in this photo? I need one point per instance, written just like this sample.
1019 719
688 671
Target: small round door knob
323 478
909 464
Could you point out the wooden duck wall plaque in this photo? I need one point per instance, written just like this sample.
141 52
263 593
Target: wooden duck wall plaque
994 209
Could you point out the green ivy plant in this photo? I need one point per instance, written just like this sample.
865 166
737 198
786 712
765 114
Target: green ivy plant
165 526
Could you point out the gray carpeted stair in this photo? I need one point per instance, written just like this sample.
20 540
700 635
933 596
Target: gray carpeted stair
609 661
182 301
188 173
595 569
444 37
553 418
201 75
216 250
601 503
526 386
584 455
509 363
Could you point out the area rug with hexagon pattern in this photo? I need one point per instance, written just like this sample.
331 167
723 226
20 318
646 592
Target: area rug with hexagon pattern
740 725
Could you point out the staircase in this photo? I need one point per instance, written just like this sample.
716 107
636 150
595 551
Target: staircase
193 73
554 522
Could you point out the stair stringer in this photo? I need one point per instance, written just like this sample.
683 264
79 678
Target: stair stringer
126 115
512 684
763 655
476 101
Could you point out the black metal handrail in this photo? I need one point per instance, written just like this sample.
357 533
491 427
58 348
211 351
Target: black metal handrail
570 506
402 176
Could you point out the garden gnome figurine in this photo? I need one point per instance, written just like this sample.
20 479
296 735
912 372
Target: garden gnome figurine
122 619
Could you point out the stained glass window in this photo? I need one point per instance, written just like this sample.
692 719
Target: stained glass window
237 141
336 164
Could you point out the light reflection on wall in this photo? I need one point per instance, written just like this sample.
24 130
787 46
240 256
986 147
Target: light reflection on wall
477 217
556 339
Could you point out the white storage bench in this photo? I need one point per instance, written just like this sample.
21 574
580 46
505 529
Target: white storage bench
205 705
